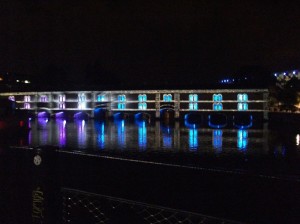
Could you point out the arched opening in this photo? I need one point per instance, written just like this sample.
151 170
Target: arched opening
43 114
142 117
81 116
60 115
217 120
193 119
242 120
167 113
100 113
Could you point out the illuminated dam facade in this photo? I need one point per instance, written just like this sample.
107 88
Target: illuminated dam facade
153 103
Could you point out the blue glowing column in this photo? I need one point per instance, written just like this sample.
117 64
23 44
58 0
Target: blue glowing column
193 139
142 132
81 130
100 128
43 131
242 139
121 133
61 132
167 137
217 139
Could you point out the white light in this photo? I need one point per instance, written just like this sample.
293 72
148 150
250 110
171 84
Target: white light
298 139
26 81
294 72
17 80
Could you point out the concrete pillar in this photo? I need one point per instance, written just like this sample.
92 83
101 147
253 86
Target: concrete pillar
109 104
177 135
157 134
35 103
177 105
266 105
157 105
93 103
50 99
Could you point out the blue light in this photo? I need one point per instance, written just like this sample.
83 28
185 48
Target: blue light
100 131
167 137
217 138
217 97
242 139
121 106
193 106
142 106
218 106
142 133
167 97
142 97
100 98
121 133
193 139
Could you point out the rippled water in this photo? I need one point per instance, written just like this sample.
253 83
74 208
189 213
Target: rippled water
235 147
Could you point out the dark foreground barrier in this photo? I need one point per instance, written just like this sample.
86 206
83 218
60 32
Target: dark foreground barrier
137 186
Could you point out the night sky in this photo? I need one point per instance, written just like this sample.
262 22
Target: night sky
152 41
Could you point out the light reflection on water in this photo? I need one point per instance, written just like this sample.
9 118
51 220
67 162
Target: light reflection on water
142 136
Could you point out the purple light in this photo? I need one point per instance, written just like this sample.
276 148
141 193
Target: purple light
60 115
42 114
62 132
81 116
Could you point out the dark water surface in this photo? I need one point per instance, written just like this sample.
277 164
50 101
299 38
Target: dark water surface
139 172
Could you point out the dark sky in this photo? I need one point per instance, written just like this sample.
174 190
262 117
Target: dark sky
149 39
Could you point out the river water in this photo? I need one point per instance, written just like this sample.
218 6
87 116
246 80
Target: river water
263 150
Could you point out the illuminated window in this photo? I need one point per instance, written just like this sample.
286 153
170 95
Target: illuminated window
142 106
61 98
242 99
26 105
217 97
81 101
142 97
100 98
62 106
242 106
122 100
43 98
167 97
193 106
217 106
12 98
27 98
193 98
121 106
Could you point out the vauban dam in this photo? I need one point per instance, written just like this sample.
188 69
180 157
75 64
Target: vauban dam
150 104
